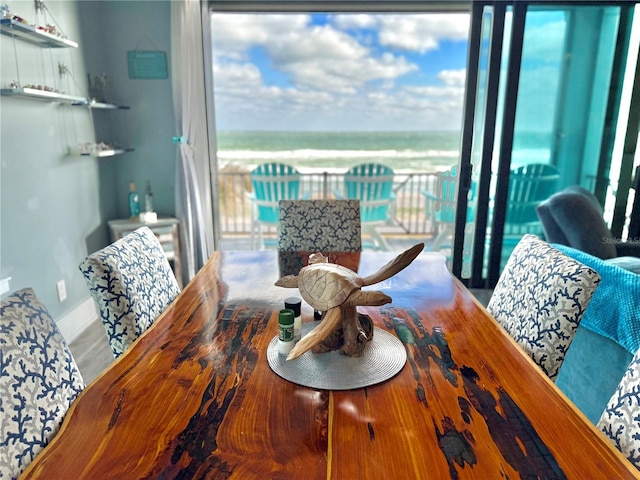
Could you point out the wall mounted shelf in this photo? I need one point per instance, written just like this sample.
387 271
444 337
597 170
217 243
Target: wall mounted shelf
36 94
31 34
47 96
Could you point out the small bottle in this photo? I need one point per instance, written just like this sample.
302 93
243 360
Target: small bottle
295 304
285 331
148 198
134 202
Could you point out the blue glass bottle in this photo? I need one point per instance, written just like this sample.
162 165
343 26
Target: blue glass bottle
134 201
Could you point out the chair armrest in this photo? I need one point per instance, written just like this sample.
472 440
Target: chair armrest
430 196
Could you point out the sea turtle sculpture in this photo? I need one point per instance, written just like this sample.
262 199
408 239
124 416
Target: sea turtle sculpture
336 290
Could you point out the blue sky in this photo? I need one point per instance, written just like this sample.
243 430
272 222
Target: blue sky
339 72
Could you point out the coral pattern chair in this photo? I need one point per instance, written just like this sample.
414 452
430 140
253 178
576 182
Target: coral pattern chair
308 226
132 283
540 299
620 420
39 379
271 183
372 184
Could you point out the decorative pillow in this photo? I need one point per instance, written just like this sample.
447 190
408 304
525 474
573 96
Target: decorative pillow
132 283
319 226
39 379
540 299
620 421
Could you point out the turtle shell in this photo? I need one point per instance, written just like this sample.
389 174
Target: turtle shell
327 285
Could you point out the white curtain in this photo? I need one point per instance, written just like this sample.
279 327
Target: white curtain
193 171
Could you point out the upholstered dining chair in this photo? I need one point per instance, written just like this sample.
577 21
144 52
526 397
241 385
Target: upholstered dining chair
540 299
619 421
329 227
39 380
132 283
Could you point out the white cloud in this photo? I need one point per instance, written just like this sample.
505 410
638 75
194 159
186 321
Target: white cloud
328 76
422 33
454 78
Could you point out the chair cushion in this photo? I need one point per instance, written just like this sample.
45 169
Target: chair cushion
132 283
39 379
592 369
540 298
619 421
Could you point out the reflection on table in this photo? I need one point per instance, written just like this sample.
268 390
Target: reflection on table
195 397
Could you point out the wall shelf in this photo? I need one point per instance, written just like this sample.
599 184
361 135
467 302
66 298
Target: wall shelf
102 153
36 94
31 34
47 96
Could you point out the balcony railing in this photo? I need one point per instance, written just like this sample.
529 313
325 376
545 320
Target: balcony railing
410 216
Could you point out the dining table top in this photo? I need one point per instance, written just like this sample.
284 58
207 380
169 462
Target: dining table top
196 397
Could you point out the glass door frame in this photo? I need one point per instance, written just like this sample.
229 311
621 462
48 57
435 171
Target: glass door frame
498 10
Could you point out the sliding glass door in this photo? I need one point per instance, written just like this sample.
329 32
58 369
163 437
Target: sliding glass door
547 87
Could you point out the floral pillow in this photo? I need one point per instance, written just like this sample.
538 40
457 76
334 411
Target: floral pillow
540 299
39 379
132 283
620 420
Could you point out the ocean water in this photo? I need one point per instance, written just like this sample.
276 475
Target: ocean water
428 151
336 151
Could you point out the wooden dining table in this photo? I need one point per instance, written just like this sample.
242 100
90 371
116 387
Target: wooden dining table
195 396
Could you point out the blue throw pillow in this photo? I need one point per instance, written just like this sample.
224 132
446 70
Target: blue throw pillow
614 310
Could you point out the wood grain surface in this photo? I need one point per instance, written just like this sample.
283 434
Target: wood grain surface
195 398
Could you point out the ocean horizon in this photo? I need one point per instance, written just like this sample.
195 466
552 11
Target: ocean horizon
416 151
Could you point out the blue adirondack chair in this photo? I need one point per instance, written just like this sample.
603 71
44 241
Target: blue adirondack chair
271 183
372 184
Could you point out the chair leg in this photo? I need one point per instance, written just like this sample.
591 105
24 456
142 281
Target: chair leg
441 237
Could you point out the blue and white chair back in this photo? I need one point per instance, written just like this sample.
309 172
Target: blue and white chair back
132 283
39 379
540 299
330 227
620 420
319 226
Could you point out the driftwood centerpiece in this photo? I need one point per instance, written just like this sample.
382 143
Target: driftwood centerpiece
336 290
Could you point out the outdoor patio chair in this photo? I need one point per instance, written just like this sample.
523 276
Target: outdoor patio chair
529 186
372 184
440 208
271 183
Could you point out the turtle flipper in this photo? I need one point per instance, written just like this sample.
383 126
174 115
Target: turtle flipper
369 297
396 265
288 281
330 322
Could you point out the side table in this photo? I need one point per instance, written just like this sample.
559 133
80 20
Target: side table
166 231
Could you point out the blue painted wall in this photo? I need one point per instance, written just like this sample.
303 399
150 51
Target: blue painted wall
54 206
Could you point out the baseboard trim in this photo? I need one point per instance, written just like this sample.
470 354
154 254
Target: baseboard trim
77 320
